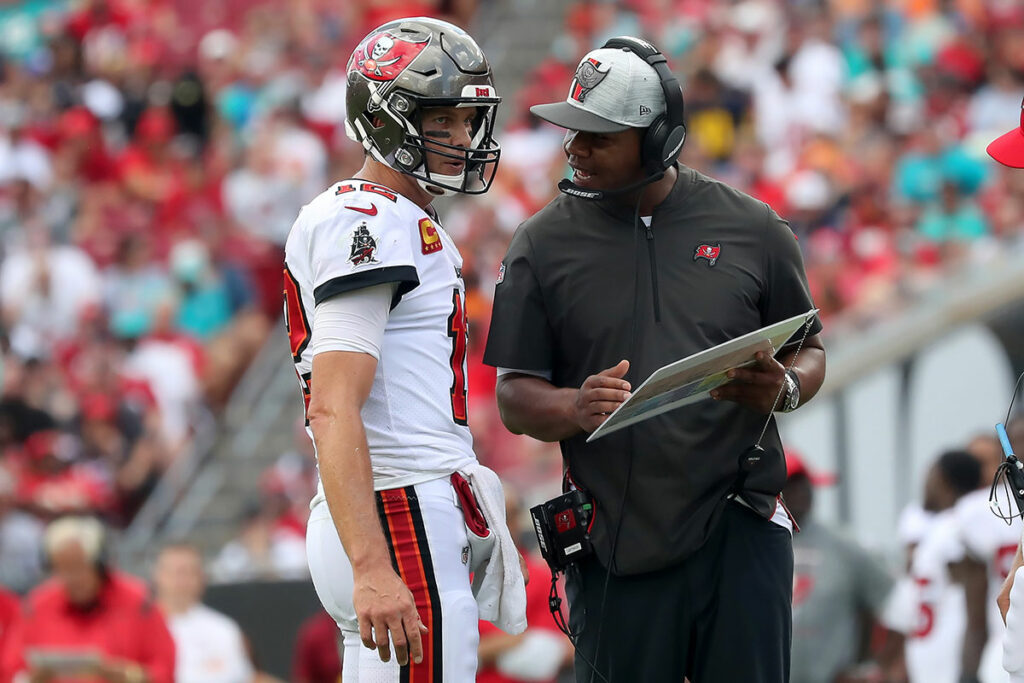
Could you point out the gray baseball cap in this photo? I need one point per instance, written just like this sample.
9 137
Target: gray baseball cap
614 89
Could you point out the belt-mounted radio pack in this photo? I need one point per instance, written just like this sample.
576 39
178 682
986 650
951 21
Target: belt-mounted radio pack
563 528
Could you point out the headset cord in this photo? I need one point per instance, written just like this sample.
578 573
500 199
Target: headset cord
555 606
1009 475
554 601
629 460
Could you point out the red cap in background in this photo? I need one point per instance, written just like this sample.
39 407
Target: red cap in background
796 466
77 122
99 407
1008 149
41 444
155 125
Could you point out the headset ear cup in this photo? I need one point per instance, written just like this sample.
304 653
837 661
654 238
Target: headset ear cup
673 144
653 148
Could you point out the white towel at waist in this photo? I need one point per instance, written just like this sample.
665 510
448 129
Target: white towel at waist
498 584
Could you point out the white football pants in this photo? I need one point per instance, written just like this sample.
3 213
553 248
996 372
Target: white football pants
426 534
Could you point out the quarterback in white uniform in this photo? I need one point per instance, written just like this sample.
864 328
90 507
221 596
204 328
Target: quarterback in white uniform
375 307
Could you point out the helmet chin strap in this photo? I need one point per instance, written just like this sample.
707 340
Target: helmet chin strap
437 190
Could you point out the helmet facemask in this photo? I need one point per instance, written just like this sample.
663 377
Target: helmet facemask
404 112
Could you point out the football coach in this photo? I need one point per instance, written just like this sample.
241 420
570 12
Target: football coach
640 262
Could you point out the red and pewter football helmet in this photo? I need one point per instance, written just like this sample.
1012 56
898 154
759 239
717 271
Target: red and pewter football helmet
404 67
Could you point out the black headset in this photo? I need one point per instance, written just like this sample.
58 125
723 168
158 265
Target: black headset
665 136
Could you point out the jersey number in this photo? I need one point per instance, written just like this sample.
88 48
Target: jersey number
367 187
299 332
458 330
295 322
926 611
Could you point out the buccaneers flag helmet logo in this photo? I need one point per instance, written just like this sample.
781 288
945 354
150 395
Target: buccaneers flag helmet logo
382 57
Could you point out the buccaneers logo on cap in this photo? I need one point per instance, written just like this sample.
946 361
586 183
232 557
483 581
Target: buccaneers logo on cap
363 246
588 75
382 57
708 252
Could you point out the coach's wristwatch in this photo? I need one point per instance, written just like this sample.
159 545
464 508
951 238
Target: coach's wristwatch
792 397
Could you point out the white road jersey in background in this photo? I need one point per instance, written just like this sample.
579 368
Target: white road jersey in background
991 541
935 644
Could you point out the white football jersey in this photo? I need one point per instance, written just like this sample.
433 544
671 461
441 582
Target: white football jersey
902 611
935 644
990 540
358 234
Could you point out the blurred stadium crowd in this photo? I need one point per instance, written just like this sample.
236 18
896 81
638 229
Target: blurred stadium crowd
153 154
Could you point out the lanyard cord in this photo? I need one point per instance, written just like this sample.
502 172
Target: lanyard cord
792 362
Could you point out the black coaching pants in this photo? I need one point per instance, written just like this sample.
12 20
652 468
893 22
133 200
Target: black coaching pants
724 615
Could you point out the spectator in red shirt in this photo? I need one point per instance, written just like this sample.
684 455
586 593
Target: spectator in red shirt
89 622
317 651
51 482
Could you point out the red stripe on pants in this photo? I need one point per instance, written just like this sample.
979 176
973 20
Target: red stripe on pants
409 558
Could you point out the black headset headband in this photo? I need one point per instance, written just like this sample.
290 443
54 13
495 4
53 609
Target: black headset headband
674 108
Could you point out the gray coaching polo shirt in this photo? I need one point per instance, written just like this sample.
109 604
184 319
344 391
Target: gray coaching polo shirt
576 295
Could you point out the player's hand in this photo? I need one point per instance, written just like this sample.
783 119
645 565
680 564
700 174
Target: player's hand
600 395
1003 599
756 386
386 611
524 569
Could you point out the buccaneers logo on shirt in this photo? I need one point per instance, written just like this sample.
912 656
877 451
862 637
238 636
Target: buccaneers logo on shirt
363 246
382 57
706 251
588 75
